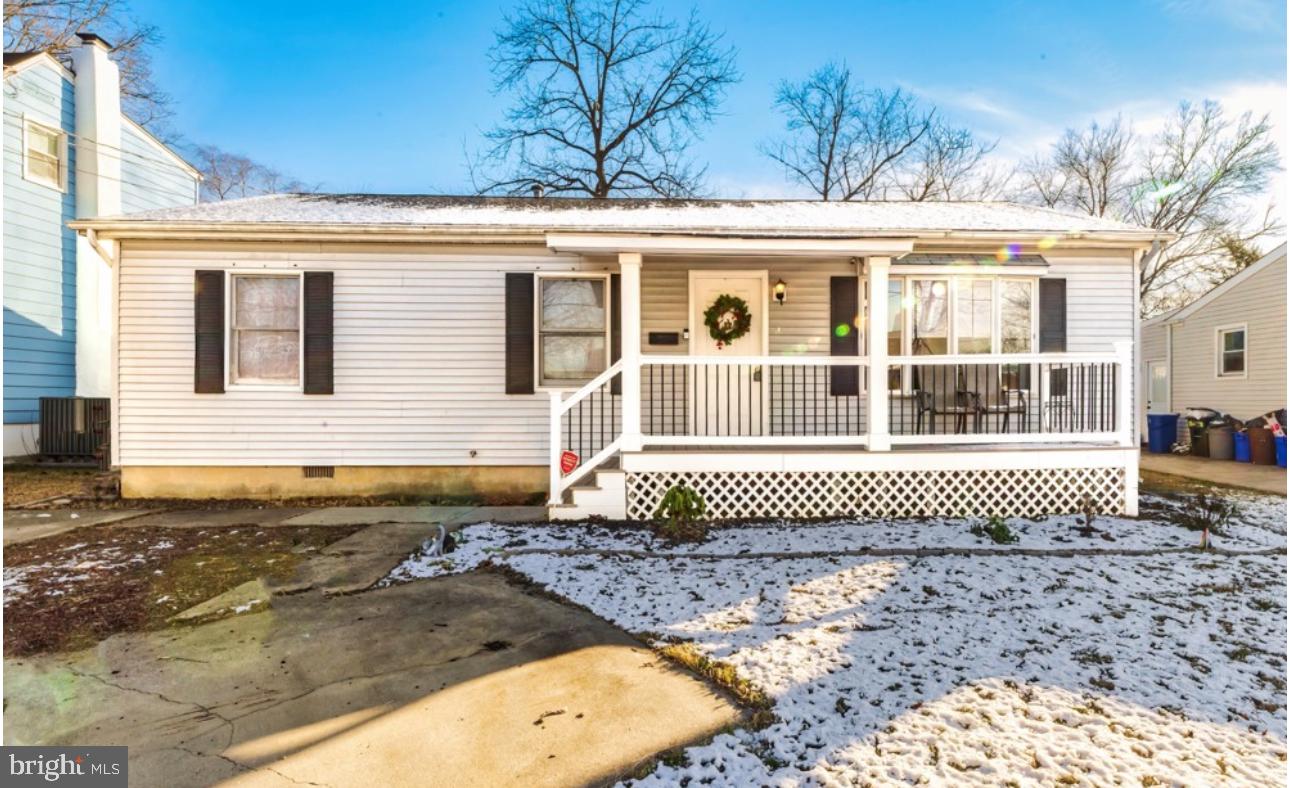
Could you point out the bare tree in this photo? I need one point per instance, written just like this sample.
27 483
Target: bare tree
846 142
607 99
949 164
1194 178
842 141
227 176
52 25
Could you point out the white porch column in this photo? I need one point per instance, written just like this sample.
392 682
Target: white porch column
877 269
629 267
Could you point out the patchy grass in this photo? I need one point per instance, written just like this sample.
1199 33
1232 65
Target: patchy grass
72 590
725 676
24 484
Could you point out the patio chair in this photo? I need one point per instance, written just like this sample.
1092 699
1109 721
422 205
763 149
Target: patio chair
966 403
1010 401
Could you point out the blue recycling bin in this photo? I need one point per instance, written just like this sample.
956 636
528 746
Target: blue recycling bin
1241 447
1162 430
1279 442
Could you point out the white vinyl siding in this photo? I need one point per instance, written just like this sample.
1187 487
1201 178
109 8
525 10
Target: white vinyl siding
420 349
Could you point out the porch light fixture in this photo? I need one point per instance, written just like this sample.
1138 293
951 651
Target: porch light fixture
781 291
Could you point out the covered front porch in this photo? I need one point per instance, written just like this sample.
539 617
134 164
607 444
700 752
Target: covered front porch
951 392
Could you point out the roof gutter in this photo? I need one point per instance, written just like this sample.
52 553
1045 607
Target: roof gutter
493 233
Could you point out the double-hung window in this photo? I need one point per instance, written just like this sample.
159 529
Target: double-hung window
973 315
1231 352
930 331
573 329
264 329
44 157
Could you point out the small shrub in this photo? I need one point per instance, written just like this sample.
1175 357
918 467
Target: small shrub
996 530
678 516
1207 513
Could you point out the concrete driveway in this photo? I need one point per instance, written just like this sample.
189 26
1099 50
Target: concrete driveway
467 680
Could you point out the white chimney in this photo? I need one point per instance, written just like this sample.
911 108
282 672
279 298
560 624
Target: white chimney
98 128
97 181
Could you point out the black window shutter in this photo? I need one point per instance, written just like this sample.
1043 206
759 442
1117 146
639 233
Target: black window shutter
615 329
1052 315
208 332
844 308
519 333
318 332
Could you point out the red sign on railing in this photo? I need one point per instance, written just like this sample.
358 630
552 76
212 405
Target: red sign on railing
568 461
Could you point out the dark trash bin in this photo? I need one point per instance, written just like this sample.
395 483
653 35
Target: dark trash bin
1162 430
1241 447
1199 439
1262 450
1220 443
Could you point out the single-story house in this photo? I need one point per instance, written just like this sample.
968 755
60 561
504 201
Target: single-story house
784 358
1226 350
69 152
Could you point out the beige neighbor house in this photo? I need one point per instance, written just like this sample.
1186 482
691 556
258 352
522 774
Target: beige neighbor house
1226 350
784 358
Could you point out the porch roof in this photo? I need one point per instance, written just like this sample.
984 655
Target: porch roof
1008 261
355 214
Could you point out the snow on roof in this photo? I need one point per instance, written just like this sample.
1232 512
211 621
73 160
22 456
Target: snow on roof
632 215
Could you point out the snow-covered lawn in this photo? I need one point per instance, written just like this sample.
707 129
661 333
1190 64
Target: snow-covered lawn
912 666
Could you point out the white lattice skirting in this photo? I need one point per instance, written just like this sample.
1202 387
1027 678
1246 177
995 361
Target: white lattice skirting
1029 492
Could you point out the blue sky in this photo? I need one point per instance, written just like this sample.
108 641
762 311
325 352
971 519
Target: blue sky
386 96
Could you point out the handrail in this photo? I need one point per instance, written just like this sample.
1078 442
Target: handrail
585 391
1005 358
768 361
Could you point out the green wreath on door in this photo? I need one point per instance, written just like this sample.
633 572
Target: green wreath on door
727 319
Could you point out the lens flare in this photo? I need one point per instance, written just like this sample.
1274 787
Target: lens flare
1007 252
1165 191
1047 242
841 330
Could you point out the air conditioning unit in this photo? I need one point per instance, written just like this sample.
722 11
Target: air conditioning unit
74 428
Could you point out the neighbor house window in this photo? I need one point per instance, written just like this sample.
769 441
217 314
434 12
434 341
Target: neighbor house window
44 155
264 328
1231 352
573 330
973 315
931 325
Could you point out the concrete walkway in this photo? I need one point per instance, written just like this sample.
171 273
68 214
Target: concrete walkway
25 525
464 681
1262 478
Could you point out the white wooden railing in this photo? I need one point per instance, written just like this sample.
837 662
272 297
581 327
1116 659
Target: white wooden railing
819 401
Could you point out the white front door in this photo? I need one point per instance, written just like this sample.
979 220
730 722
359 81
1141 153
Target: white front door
728 399
1158 391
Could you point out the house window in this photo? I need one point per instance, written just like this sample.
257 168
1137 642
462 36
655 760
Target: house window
931 325
1016 315
573 329
44 155
264 328
895 329
973 315
1231 352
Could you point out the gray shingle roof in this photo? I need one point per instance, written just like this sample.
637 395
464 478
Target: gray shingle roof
811 217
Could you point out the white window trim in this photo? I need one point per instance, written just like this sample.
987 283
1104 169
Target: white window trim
230 384
61 184
538 385
1218 352
996 331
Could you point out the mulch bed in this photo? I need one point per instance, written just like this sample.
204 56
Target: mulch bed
72 590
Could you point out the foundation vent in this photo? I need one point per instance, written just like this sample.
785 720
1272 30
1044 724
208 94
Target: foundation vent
320 471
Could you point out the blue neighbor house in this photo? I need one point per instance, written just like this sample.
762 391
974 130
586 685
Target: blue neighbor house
69 153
